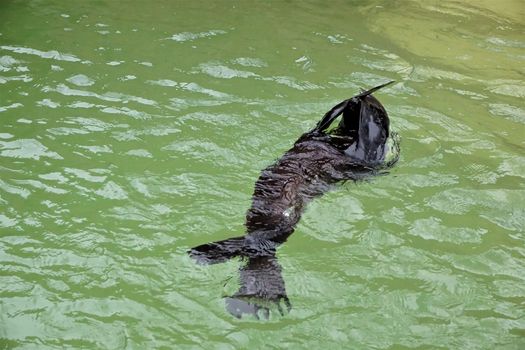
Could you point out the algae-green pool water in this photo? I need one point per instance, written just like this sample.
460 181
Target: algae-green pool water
131 131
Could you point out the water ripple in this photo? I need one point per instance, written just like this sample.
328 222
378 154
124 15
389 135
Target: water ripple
55 55
126 140
108 96
188 36
26 148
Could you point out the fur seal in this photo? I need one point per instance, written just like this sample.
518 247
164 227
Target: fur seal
355 149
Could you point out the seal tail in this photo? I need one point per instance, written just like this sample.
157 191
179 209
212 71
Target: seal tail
219 251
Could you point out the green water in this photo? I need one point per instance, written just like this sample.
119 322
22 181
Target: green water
132 131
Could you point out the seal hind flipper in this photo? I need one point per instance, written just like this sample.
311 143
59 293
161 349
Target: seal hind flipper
219 251
224 250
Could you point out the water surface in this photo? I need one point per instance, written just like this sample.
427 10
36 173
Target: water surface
132 131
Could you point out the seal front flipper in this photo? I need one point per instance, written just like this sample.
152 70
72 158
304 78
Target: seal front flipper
330 116
336 111
374 89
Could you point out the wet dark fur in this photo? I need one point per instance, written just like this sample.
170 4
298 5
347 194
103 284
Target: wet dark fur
317 160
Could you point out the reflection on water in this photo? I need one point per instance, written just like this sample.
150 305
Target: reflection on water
130 133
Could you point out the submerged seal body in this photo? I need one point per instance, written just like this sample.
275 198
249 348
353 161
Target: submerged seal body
317 160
